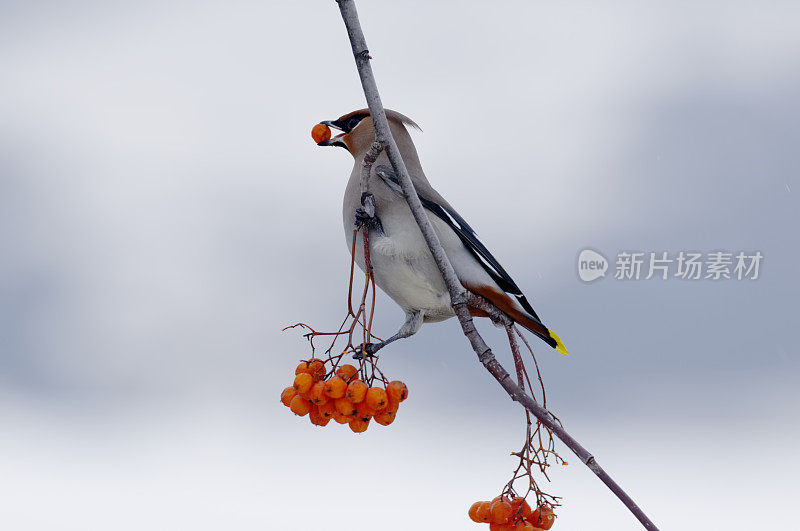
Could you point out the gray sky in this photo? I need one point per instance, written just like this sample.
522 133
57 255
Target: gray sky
164 213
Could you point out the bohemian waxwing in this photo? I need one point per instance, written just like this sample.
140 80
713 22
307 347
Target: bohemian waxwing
402 263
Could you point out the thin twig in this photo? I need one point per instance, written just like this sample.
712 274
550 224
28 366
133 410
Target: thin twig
458 297
518 363
368 202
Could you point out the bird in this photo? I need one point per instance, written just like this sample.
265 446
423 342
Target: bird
403 266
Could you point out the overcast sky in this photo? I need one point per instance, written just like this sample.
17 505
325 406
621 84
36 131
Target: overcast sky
164 213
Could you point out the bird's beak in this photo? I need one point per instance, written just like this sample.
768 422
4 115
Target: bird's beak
332 123
334 140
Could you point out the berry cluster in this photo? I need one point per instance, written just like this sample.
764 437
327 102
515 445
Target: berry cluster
340 395
504 514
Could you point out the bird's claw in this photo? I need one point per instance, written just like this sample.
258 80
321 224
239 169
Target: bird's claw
367 349
363 219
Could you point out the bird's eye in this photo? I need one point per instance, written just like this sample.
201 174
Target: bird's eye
353 122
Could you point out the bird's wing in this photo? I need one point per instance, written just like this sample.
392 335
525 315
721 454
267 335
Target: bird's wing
436 204
467 236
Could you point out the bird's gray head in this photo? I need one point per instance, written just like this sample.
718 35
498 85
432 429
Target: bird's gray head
358 133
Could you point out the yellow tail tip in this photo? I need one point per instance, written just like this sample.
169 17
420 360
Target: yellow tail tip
559 344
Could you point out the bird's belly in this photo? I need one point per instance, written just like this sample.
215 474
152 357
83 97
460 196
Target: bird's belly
404 269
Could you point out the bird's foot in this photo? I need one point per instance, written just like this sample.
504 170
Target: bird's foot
372 223
366 350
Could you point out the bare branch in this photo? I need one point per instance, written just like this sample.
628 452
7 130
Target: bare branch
458 295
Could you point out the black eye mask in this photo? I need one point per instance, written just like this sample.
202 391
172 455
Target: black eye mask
350 123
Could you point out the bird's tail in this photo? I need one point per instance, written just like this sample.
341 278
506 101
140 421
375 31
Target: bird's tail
541 331
519 315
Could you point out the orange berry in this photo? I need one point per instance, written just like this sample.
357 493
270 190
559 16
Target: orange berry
525 510
482 512
546 517
320 133
316 417
306 395
300 406
473 509
521 507
499 498
345 406
287 395
342 419
526 526
316 368
346 372
317 393
356 391
303 367
364 412
501 527
385 417
335 387
327 410
501 511
397 391
376 398
358 425
303 382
